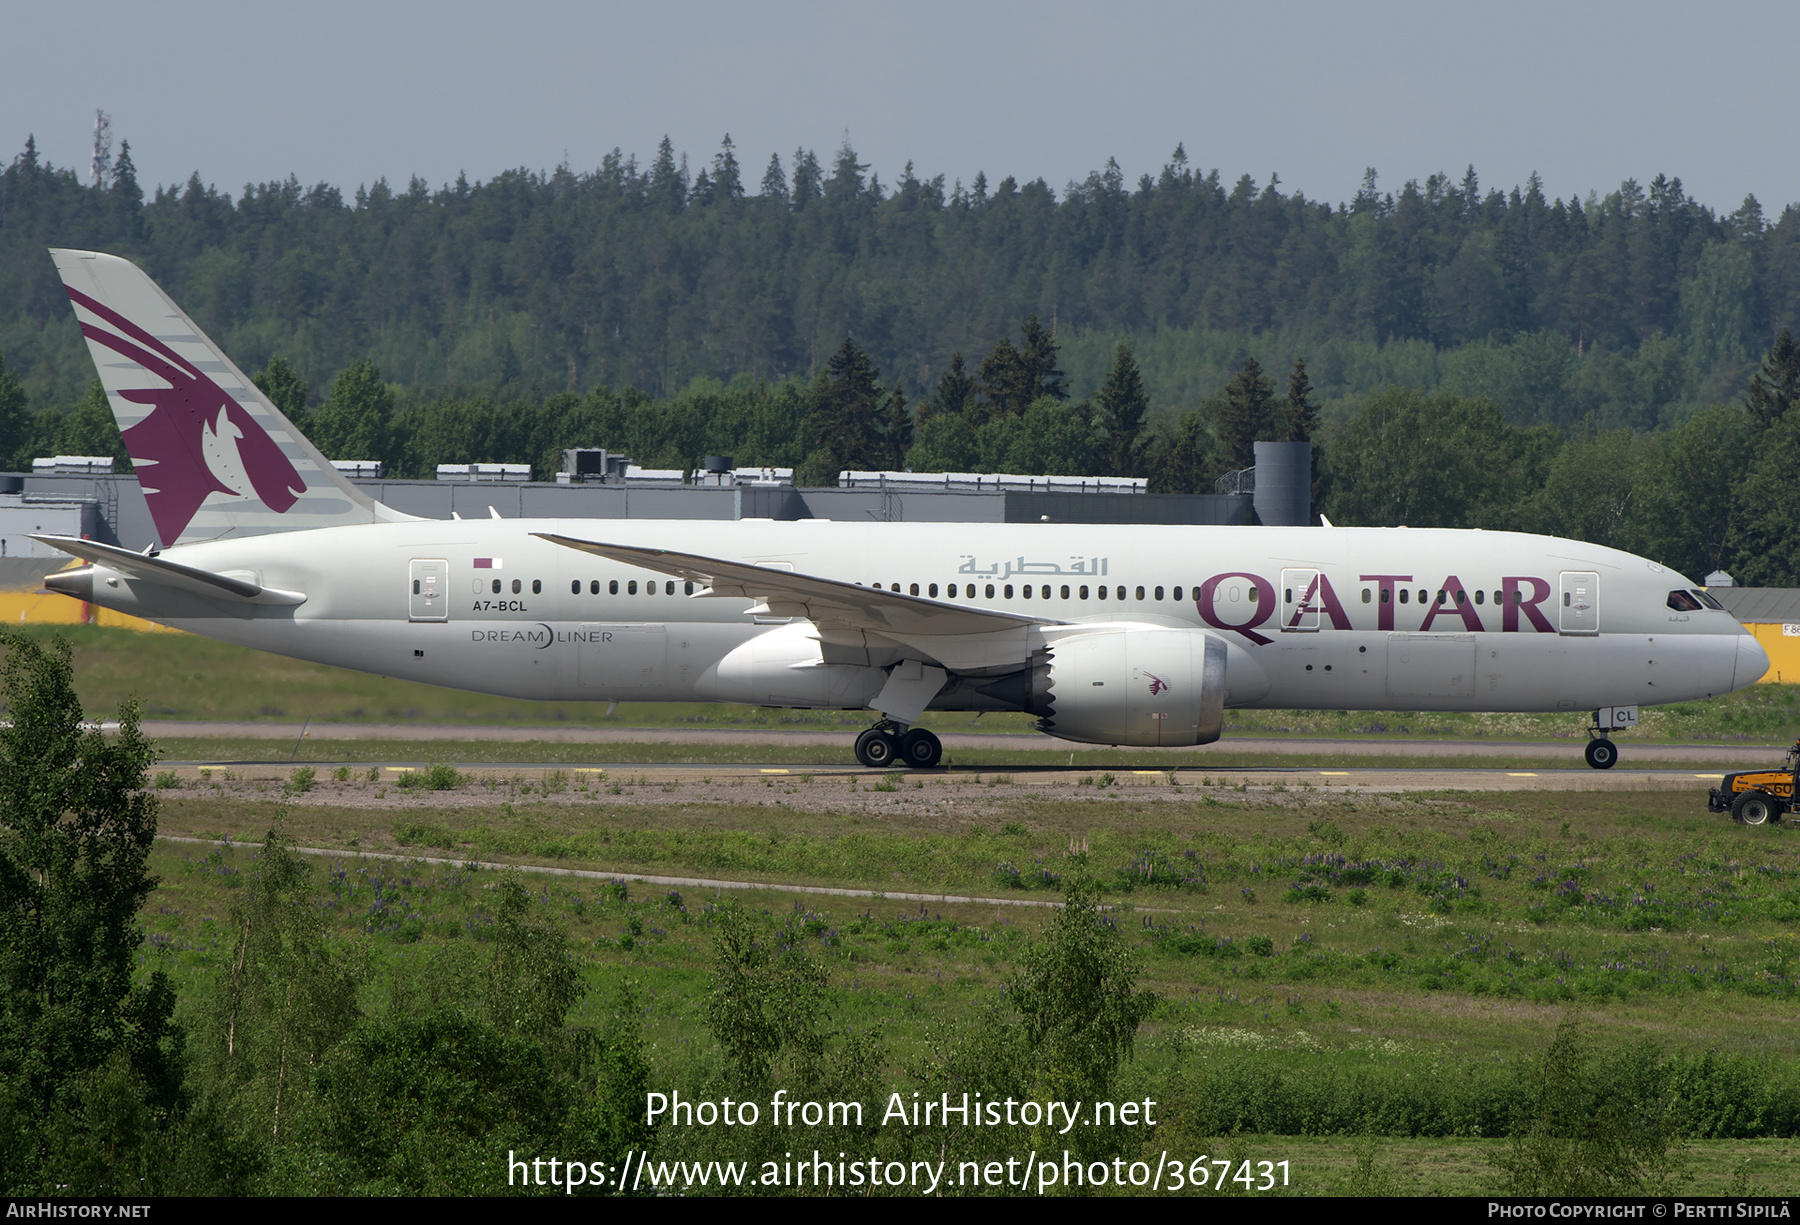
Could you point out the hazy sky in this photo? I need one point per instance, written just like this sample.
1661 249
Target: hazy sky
1585 94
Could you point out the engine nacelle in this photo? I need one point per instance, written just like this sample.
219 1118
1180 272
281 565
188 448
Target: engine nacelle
786 667
1136 685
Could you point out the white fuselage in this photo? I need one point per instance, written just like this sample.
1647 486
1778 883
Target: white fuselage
1340 618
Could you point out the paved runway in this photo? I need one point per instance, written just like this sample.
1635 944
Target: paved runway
1727 756
1195 781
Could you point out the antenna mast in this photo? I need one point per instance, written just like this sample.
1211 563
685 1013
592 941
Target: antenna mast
102 147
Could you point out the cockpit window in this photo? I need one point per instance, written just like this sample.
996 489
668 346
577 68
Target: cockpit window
1708 600
1683 601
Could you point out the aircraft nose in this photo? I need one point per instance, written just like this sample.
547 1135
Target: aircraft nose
1752 662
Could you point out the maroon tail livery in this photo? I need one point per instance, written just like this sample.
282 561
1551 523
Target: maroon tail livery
188 437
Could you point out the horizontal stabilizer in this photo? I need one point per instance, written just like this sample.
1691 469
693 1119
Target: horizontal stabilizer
821 600
143 568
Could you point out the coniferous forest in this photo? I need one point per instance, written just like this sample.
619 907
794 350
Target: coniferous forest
1617 368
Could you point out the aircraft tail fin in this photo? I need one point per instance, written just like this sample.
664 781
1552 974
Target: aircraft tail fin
213 456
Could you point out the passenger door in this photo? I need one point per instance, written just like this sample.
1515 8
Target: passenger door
1299 601
1579 609
429 598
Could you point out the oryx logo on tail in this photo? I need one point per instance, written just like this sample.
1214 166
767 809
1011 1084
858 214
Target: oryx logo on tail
197 440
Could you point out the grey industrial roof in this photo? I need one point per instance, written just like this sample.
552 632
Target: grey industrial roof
1760 605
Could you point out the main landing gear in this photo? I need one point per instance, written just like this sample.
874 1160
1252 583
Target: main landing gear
888 744
1602 753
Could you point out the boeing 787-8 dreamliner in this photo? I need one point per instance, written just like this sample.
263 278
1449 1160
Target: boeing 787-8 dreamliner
1110 635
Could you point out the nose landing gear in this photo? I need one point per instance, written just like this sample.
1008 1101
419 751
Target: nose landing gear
1602 753
888 743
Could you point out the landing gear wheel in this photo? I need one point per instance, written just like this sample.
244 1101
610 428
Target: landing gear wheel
1754 808
877 748
1602 754
920 749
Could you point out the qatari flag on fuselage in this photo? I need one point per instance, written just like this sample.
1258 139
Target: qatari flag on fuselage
489 563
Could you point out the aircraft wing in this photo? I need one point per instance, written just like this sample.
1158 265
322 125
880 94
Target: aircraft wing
147 569
820 600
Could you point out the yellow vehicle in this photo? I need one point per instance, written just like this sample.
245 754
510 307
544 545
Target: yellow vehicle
1754 797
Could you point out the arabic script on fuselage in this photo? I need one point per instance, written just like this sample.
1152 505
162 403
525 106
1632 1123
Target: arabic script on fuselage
1081 567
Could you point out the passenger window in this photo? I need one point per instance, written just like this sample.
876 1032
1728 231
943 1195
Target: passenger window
1046 591
496 586
537 586
1255 592
631 587
612 588
575 587
1159 593
1478 596
1440 597
415 586
990 591
1365 595
1462 597
1423 596
1287 595
1121 593
913 590
1178 595
687 589
1100 592
1405 595
1499 598
669 587
1386 595
1140 593
933 590
1025 592
1009 591
1084 593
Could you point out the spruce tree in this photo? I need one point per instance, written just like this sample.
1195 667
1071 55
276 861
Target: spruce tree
1776 387
807 178
846 418
1244 415
774 183
1038 353
1005 384
897 426
1122 406
727 181
1012 376
1300 416
956 390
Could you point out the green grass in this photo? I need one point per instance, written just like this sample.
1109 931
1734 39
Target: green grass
178 676
1326 966
1456 918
